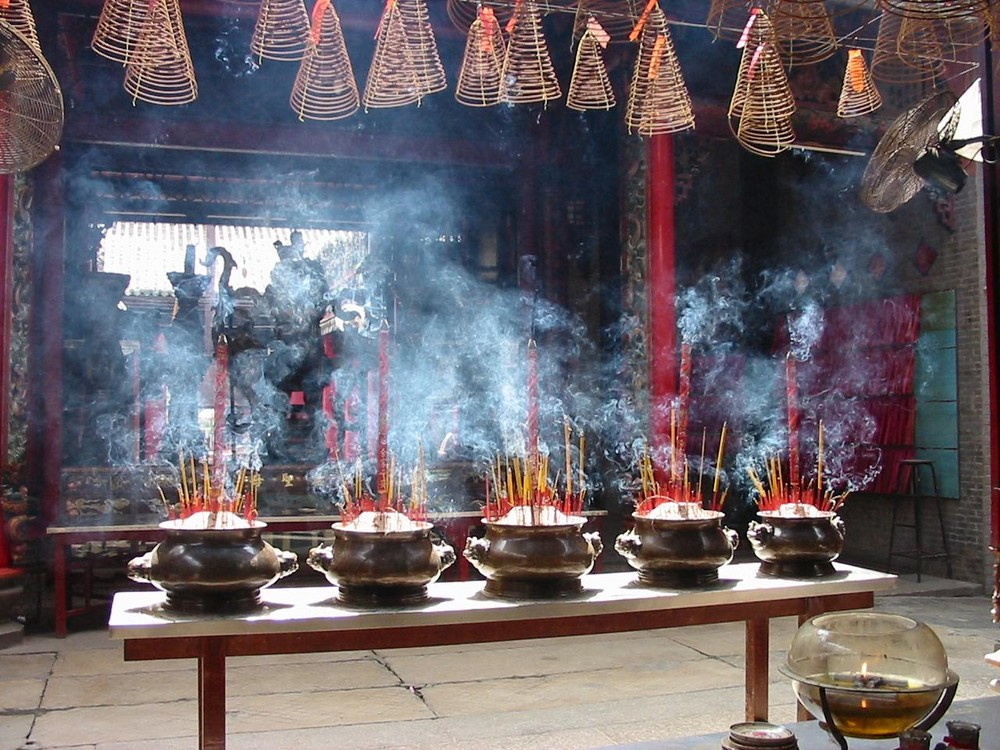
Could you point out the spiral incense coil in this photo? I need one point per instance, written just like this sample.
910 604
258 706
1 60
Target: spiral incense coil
118 28
804 32
325 88
18 14
889 67
937 9
726 18
765 137
590 85
479 79
282 30
639 84
421 46
529 76
949 40
761 71
858 95
160 70
392 80
666 106
462 13
617 17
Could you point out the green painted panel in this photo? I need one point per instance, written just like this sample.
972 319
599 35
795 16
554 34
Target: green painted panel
937 424
937 311
936 378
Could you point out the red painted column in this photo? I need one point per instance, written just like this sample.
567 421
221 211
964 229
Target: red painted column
661 287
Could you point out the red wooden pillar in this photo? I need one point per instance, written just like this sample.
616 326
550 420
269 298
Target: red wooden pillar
661 287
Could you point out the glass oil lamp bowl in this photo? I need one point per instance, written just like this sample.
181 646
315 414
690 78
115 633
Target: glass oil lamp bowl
870 675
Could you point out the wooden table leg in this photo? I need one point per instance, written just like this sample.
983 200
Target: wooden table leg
758 631
59 572
212 695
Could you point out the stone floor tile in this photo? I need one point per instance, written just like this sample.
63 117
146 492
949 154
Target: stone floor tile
255 713
123 690
14 729
585 687
21 695
533 658
21 666
55 730
94 661
294 678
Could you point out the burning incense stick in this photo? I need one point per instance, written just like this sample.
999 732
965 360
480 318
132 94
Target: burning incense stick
773 493
382 444
677 486
794 416
532 400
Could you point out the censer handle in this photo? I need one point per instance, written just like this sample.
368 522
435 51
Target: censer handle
140 568
320 558
288 562
760 532
594 540
476 548
733 536
445 554
628 544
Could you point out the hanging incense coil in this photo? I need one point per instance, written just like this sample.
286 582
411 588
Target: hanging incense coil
118 28
759 45
462 13
392 80
659 101
858 95
948 40
666 104
617 17
325 88
421 46
889 67
937 9
726 18
804 32
528 76
590 86
480 77
762 104
282 31
18 14
160 70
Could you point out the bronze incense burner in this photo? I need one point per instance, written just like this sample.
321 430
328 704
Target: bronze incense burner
794 546
678 552
382 568
543 561
212 570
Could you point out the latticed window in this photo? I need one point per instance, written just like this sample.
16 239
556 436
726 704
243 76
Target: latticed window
148 251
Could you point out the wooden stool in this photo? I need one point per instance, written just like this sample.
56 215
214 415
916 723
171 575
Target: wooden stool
908 488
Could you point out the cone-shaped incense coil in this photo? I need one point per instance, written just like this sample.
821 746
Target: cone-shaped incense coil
804 32
529 76
479 79
665 106
282 30
392 80
858 95
118 28
423 51
889 67
917 43
765 137
325 88
160 70
761 65
617 17
654 26
462 13
936 9
727 17
590 86
18 14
